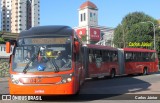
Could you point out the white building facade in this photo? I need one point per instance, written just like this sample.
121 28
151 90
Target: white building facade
23 14
89 28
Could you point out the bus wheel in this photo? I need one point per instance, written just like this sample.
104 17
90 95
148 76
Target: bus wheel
145 71
112 73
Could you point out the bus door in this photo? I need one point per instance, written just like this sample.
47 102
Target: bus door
94 64
129 63
151 61
105 62
139 62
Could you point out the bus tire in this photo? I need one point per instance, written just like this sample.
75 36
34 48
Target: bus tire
145 71
112 73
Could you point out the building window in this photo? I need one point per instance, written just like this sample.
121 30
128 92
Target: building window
81 17
94 16
84 16
91 16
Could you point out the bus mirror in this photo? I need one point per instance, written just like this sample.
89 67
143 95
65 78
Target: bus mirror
76 45
8 47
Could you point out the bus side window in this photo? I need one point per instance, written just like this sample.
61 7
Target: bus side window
115 57
129 56
105 56
98 56
152 56
140 57
147 57
91 56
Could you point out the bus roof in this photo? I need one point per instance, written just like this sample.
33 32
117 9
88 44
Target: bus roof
138 50
47 31
93 46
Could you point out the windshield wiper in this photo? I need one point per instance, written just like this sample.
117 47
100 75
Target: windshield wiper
30 61
54 65
67 64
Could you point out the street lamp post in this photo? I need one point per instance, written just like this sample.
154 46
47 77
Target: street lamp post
153 31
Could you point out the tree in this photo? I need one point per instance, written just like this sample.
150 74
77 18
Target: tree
132 29
2 40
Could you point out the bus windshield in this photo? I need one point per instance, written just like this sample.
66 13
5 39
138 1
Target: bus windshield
45 57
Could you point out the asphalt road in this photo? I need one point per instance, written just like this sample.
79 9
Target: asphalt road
119 89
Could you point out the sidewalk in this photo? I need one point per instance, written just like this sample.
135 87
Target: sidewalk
3 79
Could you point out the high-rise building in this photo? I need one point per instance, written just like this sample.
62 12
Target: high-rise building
6 15
22 15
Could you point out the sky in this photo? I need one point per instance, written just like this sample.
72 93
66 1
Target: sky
110 12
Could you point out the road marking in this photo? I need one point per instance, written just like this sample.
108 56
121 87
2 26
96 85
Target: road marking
157 74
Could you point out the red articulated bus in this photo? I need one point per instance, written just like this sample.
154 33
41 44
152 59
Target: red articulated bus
46 60
137 61
100 61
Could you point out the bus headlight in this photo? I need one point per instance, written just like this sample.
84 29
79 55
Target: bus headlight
64 81
67 78
14 80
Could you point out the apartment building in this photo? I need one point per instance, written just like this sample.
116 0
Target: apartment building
6 15
22 15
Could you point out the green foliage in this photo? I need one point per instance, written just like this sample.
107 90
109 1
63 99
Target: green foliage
132 29
84 38
2 41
